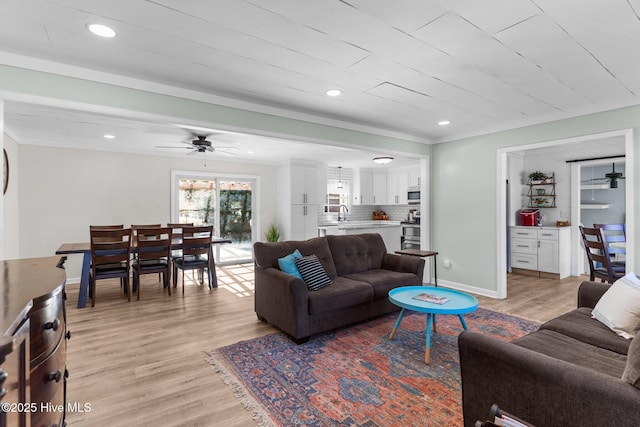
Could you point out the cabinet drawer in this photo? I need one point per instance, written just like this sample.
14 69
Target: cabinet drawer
548 234
47 327
524 233
529 262
48 378
524 246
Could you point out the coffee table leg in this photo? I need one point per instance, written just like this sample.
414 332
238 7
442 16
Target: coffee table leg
464 324
427 350
395 327
434 323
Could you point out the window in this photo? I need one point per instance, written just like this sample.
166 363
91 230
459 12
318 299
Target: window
224 201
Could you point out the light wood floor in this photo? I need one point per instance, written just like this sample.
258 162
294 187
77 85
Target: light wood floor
145 363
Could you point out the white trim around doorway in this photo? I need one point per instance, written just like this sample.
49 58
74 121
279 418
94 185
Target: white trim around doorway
501 220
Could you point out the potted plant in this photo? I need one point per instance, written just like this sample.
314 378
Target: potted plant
273 234
537 177
540 201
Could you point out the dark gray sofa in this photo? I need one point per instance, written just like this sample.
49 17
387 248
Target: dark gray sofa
568 373
362 274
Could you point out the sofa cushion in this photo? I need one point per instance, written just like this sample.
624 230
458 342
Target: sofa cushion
341 294
631 372
571 350
288 264
383 281
619 307
312 272
267 254
580 325
357 253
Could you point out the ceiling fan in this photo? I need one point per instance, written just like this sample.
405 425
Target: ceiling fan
202 145
611 177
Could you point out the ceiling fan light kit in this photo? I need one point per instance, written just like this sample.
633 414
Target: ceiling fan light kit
383 160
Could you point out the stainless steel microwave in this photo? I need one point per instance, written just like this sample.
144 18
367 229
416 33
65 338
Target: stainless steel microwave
413 195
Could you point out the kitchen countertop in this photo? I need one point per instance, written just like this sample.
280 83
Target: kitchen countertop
343 225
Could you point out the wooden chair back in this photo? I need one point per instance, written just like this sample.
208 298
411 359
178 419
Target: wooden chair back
110 246
176 228
153 243
106 227
196 241
136 227
598 255
613 233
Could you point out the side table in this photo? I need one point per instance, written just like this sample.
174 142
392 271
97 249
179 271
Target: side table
423 254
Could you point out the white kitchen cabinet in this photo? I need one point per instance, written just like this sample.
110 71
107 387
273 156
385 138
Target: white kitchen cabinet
308 185
302 190
397 185
542 251
304 222
362 187
380 188
414 178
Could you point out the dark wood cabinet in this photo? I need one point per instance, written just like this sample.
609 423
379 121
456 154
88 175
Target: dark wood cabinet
33 342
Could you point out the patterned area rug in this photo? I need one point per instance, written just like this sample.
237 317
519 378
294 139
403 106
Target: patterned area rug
356 376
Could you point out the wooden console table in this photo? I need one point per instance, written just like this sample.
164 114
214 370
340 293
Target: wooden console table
423 254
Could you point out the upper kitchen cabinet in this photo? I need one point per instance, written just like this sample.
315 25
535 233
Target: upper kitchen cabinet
414 177
308 185
380 188
362 186
397 185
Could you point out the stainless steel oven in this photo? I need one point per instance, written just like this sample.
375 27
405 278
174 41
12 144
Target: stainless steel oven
410 236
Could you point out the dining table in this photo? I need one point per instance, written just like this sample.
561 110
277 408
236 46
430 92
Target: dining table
84 248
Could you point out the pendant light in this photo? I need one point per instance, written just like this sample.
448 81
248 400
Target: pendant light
340 185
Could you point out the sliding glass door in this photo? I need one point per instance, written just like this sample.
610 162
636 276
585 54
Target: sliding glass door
226 202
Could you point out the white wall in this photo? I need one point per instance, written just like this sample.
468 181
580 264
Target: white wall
11 212
63 191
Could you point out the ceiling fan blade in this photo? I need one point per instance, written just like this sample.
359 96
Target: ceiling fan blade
166 146
192 152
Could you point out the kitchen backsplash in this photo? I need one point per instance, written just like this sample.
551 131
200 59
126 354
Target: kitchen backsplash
365 212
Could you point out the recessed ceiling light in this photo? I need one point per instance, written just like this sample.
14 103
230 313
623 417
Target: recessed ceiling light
108 136
444 122
101 30
334 92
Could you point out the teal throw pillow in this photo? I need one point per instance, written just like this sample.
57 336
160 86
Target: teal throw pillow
288 264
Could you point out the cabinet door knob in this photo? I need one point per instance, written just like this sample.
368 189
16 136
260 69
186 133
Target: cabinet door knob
55 325
68 335
55 376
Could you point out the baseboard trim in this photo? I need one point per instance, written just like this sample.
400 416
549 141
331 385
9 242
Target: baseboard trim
468 288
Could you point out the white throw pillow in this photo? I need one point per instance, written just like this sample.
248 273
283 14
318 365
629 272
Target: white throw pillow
619 307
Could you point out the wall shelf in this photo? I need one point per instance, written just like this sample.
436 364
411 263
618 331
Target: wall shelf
542 191
595 206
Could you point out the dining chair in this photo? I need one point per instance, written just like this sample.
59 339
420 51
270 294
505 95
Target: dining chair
598 256
153 250
110 258
196 254
614 233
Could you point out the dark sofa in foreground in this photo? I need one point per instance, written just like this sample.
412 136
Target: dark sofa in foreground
568 373
362 274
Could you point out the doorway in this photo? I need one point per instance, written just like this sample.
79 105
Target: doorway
571 185
225 202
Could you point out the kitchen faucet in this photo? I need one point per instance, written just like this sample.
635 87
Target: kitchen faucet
340 211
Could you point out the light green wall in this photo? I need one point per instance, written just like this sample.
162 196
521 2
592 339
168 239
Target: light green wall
464 195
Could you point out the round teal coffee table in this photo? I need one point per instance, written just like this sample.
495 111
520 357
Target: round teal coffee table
457 303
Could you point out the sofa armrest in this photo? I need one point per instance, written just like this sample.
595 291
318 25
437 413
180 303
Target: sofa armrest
539 389
281 300
590 293
404 263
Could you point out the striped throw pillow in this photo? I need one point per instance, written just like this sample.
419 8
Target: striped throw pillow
312 272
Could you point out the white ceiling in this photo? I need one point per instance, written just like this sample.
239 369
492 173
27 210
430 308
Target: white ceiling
402 65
